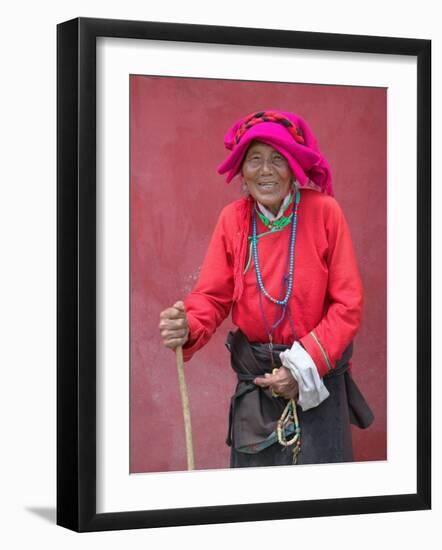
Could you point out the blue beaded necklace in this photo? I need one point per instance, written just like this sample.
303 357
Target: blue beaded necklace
286 280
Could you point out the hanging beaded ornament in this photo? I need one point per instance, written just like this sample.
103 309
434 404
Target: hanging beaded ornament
289 415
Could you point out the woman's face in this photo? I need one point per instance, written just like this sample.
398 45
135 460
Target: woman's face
267 175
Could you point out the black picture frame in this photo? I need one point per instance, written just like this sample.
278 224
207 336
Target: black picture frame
77 287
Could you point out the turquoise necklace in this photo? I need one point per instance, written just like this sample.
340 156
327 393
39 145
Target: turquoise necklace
289 280
291 256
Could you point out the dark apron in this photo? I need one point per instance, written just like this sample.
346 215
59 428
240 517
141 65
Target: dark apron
254 412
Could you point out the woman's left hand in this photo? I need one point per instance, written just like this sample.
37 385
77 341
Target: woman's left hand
282 383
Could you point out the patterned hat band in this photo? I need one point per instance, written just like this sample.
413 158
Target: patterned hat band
268 116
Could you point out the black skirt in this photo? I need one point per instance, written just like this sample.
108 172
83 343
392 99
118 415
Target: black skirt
254 412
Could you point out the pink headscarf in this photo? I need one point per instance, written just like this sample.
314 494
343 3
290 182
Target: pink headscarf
287 133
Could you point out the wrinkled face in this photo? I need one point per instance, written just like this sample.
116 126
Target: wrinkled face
267 175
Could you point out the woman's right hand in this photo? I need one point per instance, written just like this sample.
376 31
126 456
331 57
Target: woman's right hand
173 326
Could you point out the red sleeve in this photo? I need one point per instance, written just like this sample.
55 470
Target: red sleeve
210 301
328 340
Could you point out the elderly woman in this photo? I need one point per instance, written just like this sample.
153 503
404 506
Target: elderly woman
282 262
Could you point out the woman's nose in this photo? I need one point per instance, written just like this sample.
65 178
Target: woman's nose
267 166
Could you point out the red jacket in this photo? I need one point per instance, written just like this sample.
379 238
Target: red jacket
327 295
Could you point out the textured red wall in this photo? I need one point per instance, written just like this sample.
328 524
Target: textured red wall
177 130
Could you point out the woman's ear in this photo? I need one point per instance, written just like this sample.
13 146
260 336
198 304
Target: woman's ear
243 183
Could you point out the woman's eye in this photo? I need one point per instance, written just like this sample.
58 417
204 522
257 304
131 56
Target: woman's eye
278 160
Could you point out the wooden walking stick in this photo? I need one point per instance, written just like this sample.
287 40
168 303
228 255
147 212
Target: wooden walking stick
186 408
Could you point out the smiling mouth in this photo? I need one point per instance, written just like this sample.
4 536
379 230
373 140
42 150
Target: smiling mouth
268 185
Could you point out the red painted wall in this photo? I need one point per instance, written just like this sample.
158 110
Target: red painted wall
177 130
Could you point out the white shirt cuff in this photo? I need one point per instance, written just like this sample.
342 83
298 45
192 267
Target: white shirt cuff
312 390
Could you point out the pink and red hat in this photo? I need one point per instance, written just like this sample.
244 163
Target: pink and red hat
289 134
